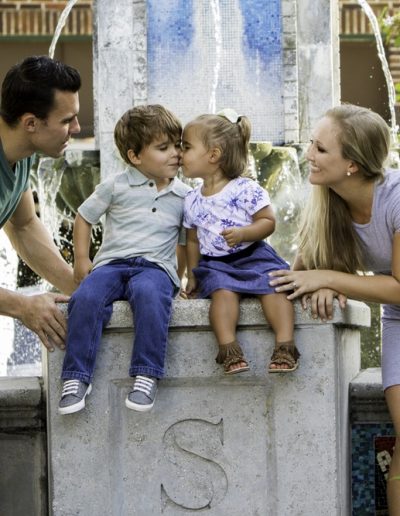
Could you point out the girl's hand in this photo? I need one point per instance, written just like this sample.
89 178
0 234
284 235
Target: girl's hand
82 267
321 303
233 236
299 282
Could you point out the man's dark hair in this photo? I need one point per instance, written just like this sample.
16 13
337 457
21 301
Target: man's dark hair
29 87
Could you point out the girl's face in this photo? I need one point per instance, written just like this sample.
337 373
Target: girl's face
195 157
327 165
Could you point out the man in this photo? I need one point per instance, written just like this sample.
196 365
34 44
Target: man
38 112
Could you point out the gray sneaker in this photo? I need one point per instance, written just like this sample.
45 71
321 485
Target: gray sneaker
143 393
73 396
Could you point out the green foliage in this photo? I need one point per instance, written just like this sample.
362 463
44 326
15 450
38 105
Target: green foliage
390 30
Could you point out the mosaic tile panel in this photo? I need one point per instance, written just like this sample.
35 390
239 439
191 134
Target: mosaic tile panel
372 448
205 55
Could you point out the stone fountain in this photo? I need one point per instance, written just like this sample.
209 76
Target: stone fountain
253 445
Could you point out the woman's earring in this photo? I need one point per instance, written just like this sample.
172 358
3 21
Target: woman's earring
348 174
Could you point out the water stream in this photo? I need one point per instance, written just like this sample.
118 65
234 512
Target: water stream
385 67
60 25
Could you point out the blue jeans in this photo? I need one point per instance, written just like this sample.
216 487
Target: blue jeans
149 290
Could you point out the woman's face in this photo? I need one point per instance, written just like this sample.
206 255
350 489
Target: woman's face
327 165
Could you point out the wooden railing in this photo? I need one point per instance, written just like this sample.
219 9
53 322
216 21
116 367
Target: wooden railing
41 18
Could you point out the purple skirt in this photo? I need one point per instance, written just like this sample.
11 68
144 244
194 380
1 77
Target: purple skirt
245 272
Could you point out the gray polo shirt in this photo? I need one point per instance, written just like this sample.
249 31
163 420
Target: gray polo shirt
139 219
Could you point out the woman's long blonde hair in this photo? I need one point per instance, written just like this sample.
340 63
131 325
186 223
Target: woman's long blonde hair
327 238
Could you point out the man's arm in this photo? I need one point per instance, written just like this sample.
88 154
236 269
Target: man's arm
34 245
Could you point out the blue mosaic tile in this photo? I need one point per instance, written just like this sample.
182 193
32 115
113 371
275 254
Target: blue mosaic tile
372 446
204 56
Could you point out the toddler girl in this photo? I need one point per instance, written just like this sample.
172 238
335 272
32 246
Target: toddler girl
228 217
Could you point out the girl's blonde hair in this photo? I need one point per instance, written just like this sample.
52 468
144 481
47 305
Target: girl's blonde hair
232 138
327 238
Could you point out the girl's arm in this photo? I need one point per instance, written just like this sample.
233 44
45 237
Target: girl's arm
375 289
192 257
262 226
81 237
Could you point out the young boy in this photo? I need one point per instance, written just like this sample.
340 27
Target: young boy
137 260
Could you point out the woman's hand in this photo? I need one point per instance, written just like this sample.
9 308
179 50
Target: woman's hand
299 283
321 303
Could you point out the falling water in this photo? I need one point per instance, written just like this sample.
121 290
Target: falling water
218 51
60 26
385 66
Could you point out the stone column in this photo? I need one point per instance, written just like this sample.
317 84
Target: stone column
250 444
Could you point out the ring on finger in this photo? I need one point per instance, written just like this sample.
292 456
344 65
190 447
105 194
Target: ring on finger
294 285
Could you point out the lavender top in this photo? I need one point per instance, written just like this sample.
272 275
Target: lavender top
377 235
233 206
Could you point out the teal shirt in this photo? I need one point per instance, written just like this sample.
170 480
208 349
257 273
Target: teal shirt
13 183
139 219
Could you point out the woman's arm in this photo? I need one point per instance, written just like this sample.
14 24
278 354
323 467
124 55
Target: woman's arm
262 226
376 289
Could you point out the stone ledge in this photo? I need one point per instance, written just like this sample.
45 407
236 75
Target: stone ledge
367 400
21 403
193 313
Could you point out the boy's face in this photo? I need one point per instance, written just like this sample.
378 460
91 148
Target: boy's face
159 159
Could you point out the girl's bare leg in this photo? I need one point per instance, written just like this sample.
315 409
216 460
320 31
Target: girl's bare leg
392 395
279 312
224 317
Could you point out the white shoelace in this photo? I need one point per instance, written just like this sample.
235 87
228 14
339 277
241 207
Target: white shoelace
70 387
143 384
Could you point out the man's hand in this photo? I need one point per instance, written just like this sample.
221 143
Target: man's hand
41 314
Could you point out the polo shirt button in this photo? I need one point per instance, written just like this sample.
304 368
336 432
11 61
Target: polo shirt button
154 209
151 184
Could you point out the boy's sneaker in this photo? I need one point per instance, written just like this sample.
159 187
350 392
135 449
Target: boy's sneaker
73 396
143 393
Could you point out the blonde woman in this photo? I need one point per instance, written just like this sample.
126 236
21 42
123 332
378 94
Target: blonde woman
352 224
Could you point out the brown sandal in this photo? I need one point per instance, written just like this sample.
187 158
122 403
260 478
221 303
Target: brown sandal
284 353
229 355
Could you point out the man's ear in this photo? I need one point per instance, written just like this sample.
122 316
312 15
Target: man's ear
215 155
29 122
133 158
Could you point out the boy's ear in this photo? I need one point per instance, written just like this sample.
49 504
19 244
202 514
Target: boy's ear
215 155
29 122
133 158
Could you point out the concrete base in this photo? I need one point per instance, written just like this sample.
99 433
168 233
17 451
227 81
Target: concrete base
23 465
251 444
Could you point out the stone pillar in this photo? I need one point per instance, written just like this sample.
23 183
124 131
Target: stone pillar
318 60
23 465
250 444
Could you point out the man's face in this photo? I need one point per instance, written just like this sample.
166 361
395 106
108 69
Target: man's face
51 136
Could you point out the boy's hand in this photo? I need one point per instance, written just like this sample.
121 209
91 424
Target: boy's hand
233 236
191 287
82 268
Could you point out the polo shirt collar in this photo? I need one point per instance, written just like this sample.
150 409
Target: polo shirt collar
136 178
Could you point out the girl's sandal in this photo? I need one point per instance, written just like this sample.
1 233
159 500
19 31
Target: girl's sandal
284 353
229 355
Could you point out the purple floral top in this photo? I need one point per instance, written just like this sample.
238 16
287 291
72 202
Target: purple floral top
233 206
